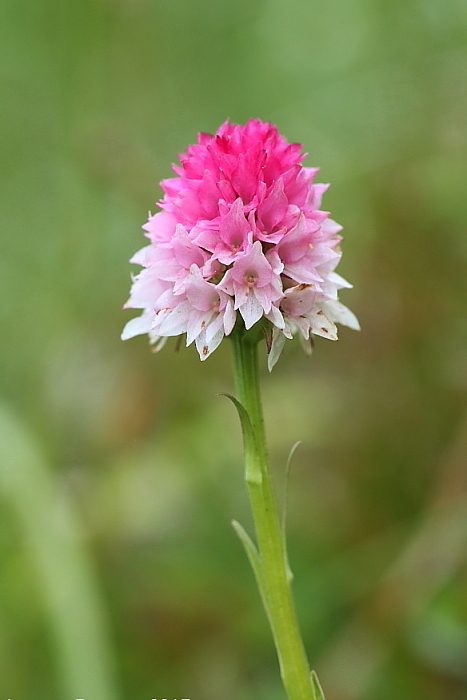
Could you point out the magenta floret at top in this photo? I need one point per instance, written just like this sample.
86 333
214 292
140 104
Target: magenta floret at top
240 231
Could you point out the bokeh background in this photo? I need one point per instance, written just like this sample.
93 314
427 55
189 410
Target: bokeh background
120 576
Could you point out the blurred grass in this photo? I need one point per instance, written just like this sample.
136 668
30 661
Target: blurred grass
62 571
98 97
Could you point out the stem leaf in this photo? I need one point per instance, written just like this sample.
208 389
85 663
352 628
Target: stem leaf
252 463
316 685
250 548
293 449
255 561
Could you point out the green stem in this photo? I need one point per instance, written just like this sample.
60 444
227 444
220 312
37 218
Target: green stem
273 569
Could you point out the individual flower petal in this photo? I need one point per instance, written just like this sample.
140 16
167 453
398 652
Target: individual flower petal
146 290
202 295
274 207
278 342
197 322
206 347
234 228
251 310
160 227
321 325
296 243
339 313
276 318
175 321
138 326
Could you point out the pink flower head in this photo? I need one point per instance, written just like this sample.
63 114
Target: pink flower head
240 230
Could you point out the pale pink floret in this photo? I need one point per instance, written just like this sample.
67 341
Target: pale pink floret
204 312
253 283
240 229
231 238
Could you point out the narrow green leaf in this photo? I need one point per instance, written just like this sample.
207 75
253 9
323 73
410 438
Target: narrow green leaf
293 449
252 464
255 561
250 548
316 685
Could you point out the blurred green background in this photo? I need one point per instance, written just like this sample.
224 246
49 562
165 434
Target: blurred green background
120 576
